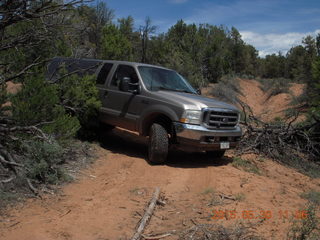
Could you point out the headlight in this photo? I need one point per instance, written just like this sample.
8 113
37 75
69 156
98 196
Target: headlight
191 116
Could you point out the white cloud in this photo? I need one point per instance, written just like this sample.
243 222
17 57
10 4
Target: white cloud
273 43
178 1
263 24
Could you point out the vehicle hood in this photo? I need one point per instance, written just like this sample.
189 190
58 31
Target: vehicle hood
193 101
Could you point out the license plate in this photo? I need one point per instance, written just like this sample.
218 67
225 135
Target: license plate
224 145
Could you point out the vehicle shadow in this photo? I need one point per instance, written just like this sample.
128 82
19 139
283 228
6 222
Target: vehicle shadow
131 144
124 142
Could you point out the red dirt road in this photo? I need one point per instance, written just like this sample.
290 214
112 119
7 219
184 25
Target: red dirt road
107 200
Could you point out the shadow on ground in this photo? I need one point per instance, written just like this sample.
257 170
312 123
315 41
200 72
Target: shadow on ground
130 144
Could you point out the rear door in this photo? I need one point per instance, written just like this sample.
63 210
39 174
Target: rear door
103 79
119 106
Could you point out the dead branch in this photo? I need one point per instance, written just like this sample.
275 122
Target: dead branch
33 189
162 203
29 129
147 215
278 140
2 160
23 71
13 12
223 196
214 231
156 237
7 180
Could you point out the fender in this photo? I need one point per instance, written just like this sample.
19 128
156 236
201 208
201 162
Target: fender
154 110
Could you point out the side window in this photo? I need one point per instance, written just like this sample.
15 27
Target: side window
124 71
104 72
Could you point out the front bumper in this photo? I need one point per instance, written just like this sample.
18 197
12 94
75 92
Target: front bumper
197 137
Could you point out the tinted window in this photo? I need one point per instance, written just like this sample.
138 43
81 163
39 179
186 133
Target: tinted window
76 66
81 67
124 71
104 72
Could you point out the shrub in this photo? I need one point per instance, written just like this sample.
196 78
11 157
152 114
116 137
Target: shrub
43 126
312 196
38 104
79 96
275 86
237 231
227 89
246 165
42 161
6 198
307 228
3 97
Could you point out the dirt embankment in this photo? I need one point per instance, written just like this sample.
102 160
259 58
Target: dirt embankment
263 106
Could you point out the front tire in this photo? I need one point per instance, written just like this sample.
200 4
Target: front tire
158 144
216 154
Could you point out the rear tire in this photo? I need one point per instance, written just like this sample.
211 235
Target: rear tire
158 144
216 154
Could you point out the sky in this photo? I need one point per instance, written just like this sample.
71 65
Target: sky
269 25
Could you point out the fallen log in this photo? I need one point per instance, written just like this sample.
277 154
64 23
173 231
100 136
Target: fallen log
147 215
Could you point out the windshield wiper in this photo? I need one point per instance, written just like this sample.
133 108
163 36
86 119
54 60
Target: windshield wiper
175 90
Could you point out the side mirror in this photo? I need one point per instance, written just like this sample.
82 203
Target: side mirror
124 84
198 91
127 86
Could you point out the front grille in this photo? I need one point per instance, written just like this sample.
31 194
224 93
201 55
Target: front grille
220 118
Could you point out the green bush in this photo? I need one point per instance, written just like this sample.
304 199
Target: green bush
47 106
42 161
79 96
38 104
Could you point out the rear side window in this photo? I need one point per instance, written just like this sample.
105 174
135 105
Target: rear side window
124 71
80 67
104 72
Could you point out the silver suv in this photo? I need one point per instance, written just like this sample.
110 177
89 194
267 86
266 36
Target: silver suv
159 103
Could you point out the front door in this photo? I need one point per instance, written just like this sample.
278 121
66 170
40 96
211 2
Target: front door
119 106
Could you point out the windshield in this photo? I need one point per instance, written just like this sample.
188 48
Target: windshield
163 79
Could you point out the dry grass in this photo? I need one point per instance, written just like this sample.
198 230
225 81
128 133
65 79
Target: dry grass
227 89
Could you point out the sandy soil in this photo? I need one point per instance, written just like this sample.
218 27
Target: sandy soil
107 200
